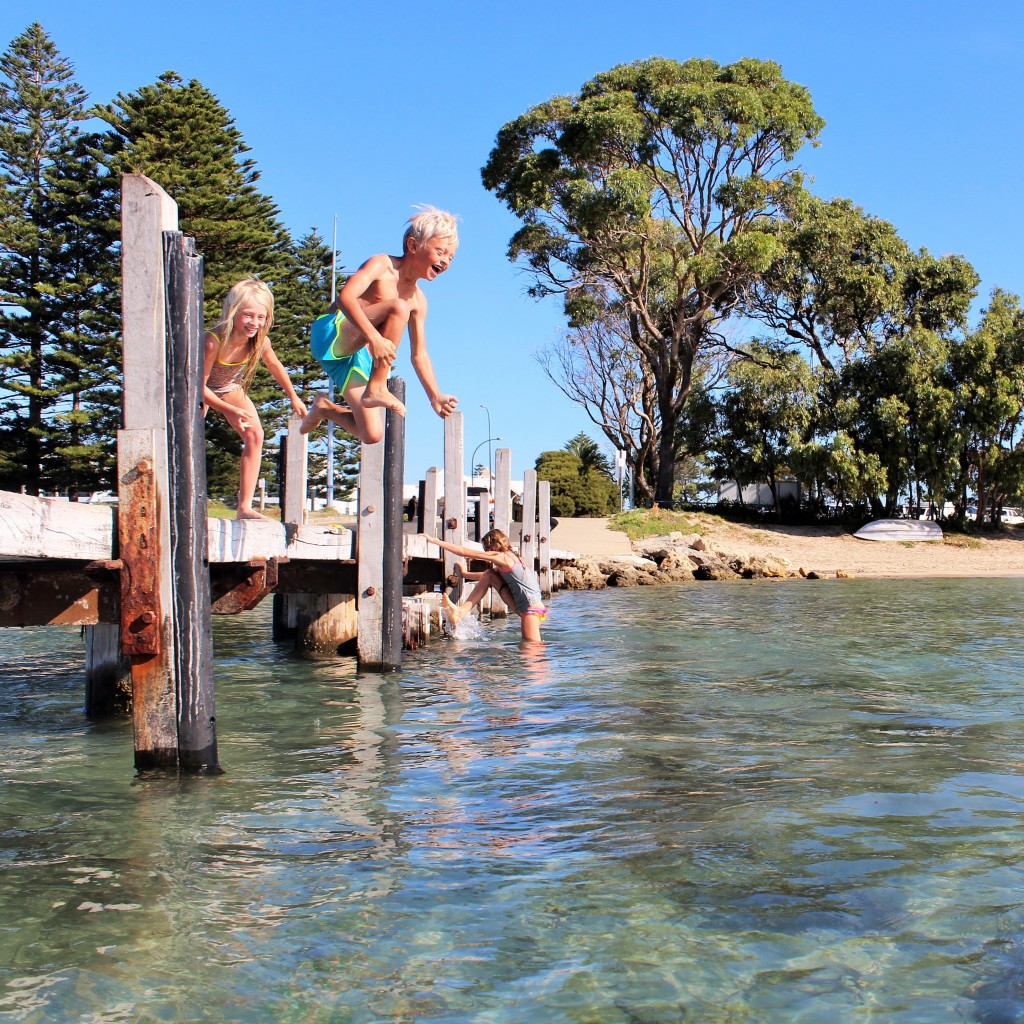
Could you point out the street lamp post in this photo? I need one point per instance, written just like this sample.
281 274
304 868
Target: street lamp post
472 461
490 461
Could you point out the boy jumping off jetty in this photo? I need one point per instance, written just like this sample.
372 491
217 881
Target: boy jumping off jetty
356 340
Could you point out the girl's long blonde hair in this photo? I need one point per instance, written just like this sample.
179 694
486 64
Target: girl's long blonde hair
249 289
497 540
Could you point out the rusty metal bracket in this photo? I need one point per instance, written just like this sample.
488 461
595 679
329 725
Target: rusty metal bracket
260 579
139 547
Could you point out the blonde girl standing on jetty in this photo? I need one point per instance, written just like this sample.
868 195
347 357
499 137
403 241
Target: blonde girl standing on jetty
235 346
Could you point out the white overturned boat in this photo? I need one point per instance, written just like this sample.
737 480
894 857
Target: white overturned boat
900 529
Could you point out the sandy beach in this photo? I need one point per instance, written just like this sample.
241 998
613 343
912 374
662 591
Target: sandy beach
826 550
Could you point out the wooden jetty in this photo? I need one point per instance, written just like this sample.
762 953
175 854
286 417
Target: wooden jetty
144 579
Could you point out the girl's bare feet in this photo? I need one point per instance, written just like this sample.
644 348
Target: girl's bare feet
249 513
455 611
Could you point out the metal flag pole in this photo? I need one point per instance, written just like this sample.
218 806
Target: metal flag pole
330 384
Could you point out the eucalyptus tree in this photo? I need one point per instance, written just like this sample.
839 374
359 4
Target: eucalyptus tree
594 367
58 276
846 282
899 408
765 409
650 194
987 371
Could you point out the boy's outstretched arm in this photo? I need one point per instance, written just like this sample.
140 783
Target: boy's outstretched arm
444 405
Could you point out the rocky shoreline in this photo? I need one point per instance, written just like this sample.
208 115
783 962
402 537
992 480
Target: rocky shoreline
676 558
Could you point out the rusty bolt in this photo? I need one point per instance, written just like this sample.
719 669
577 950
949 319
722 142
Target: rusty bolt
145 466
527 539
370 591
543 540
148 618
451 523
371 508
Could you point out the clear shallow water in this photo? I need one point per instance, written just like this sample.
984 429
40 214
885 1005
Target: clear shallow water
716 803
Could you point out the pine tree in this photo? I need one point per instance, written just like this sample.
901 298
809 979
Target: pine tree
81 209
57 277
185 140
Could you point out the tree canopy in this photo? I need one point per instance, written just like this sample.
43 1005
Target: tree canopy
651 194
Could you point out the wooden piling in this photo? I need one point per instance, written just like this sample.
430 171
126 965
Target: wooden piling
543 538
503 490
108 674
454 518
430 493
144 532
193 629
502 512
325 624
370 558
394 532
528 540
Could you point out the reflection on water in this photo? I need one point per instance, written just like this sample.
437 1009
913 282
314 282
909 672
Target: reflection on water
787 802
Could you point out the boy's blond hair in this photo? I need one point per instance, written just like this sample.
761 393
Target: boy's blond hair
249 289
431 221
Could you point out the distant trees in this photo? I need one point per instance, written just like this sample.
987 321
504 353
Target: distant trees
59 353
580 478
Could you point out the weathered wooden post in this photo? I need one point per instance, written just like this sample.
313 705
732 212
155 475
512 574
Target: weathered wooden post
454 519
170 660
193 634
528 542
429 506
370 558
543 536
108 674
502 509
281 628
421 494
394 472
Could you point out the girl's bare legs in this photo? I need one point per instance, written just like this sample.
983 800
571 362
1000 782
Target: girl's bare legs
252 452
530 626
486 581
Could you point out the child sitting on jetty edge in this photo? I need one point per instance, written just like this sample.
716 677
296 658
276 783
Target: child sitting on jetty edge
356 340
513 580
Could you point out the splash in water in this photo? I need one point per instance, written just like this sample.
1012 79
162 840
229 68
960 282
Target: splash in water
467 628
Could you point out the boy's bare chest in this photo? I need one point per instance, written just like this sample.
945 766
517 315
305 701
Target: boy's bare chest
390 286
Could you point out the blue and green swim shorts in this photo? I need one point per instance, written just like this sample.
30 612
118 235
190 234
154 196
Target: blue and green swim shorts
324 343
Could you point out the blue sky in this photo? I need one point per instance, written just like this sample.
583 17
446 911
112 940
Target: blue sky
363 111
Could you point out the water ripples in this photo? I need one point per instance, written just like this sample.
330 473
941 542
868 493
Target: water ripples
719 803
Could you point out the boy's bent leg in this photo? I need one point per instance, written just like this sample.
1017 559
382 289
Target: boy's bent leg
369 422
